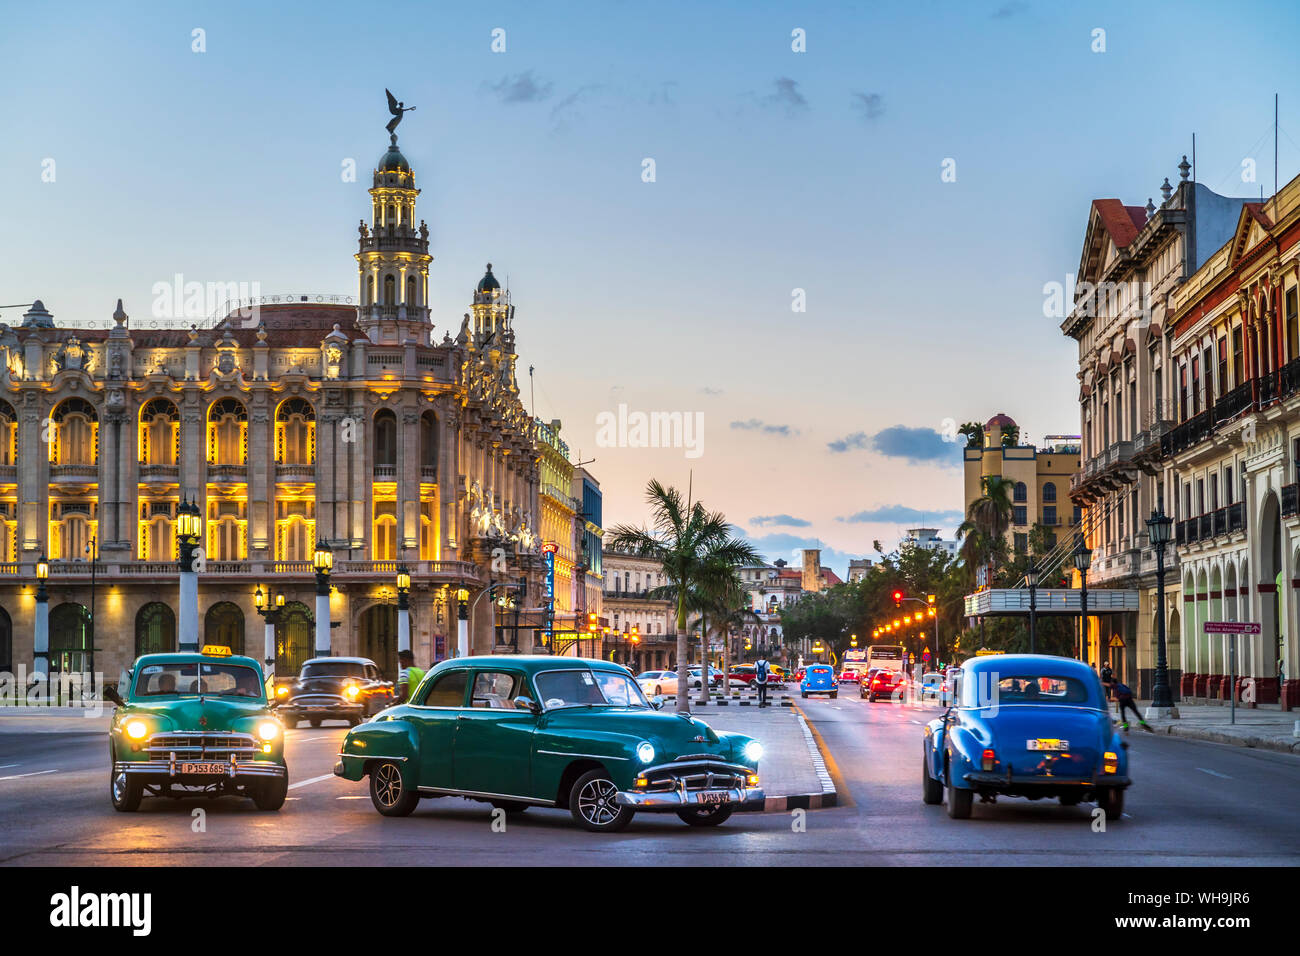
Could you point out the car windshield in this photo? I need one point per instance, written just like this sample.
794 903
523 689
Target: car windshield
1041 690
584 688
191 678
333 669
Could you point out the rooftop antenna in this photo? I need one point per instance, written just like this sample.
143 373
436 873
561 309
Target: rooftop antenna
1193 157
532 399
1274 216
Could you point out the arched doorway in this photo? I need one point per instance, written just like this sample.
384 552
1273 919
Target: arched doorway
155 629
378 638
69 628
1263 663
224 625
293 638
6 642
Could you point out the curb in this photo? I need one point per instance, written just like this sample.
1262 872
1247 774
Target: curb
1249 741
821 800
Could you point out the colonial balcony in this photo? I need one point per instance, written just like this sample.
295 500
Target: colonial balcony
1215 524
74 474
295 472
422 572
1290 500
227 472
156 473
429 474
385 472
1220 418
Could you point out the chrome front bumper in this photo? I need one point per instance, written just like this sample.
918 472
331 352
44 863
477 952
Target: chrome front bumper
169 770
664 800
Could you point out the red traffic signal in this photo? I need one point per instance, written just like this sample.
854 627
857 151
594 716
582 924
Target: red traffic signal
898 599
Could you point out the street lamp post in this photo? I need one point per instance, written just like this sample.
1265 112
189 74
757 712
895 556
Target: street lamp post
1083 561
41 637
92 549
462 623
270 612
323 562
189 532
1159 526
1031 578
403 609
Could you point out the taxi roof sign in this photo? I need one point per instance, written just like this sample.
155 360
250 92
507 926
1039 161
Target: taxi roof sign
215 650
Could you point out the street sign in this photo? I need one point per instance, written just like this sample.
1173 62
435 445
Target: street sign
1232 627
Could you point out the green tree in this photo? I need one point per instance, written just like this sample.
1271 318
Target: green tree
686 540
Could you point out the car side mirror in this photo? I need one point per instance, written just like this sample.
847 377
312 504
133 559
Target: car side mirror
657 702
528 704
110 693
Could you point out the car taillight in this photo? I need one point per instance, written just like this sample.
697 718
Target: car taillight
1110 762
987 759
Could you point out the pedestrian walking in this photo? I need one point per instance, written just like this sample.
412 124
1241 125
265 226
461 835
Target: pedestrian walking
760 678
1107 676
1125 698
408 676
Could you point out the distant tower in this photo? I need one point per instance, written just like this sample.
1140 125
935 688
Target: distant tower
812 569
492 313
393 257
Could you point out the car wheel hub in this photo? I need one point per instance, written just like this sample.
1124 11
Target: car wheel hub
388 785
119 787
596 802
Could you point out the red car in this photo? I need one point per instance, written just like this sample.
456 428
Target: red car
849 675
882 684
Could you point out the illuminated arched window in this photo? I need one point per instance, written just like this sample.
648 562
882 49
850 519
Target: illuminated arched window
157 533
160 433
227 432
385 447
295 432
75 433
8 434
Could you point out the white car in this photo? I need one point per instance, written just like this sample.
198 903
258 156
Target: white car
654 683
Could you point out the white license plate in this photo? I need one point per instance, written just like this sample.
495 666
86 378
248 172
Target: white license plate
1047 743
714 796
203 767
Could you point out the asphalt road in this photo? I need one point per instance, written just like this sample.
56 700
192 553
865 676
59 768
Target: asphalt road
1192 803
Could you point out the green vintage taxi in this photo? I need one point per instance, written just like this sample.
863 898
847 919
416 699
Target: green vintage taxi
520 731
196 723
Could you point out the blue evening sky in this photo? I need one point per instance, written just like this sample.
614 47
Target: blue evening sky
775 171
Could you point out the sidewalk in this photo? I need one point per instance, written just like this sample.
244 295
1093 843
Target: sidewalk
792 772
1262 728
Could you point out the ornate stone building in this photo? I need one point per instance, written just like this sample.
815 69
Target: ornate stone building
294 419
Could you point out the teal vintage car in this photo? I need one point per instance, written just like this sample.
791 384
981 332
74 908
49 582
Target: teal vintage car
519 731
196 723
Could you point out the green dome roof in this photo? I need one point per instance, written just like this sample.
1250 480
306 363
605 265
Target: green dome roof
489 282
393 160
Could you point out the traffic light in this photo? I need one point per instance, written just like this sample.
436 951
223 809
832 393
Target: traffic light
898 599
929 599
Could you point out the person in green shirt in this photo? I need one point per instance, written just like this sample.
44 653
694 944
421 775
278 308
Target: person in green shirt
408 676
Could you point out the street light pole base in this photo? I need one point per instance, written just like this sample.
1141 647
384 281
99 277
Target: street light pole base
1164 713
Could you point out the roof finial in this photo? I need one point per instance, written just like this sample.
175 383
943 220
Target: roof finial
119 315
1166 190
1151 208
1184 168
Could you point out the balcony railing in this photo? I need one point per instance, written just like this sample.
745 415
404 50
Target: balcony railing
283 470
1233 404
386 472
74 471
429 473
1237 517
159 472
1220 521
447 570
1205 527
227 472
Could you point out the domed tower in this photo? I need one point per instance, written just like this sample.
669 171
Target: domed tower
393 257
492 313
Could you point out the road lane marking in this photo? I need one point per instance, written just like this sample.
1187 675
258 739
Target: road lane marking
916 721
304 783
362 797
1214 773
34 773
6 766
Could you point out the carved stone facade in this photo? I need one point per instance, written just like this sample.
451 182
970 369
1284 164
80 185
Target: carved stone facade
295 419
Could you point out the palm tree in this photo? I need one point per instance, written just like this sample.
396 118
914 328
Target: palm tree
684 538
987 519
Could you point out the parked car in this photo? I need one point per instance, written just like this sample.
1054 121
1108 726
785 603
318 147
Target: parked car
334 688
882 684
195 724
819 679
655 683
1039 728
563 732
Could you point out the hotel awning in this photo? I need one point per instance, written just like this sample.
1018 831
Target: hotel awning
1014 602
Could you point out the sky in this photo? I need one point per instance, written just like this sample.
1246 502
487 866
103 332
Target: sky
829 259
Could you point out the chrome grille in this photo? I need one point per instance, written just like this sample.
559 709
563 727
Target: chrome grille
206 746
317 700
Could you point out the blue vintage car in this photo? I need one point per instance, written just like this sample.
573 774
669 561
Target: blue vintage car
819 679
1026 725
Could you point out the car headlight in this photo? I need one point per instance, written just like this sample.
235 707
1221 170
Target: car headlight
268 730
136 729
282 691
645 752
352 690
754 751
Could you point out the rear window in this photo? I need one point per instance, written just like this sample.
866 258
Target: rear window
1037 689
819 669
